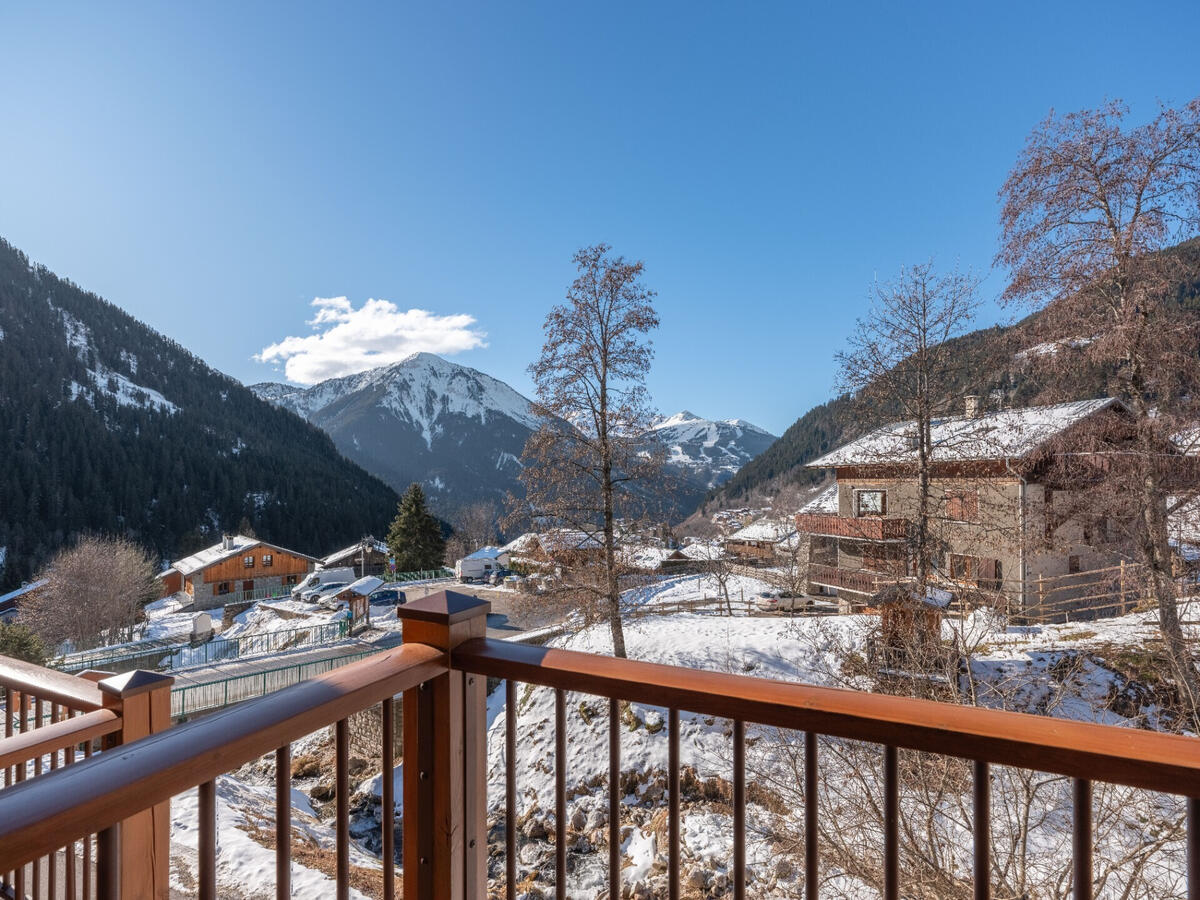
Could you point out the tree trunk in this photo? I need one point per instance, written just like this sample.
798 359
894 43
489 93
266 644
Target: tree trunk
610 560
1156 555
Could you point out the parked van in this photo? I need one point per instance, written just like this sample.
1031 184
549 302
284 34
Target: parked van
321 579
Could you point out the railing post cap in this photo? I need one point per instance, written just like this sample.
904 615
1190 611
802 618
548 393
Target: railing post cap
444 608
130 684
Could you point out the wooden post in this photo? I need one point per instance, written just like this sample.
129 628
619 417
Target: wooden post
445 758
1124 609
144 702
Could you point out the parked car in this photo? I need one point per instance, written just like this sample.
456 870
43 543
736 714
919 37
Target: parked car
322 578
387 596
325 590
776 601
498 575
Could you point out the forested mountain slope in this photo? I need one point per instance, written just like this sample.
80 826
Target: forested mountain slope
106 426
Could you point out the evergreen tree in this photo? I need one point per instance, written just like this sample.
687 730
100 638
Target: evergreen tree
415 537
19 642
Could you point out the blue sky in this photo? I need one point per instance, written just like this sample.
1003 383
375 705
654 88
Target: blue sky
212 168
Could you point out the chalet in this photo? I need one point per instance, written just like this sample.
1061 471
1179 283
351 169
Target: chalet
237 565
993 502
762 542
368 557
10 603
557 547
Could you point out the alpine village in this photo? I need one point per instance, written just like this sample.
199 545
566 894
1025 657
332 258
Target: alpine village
362 620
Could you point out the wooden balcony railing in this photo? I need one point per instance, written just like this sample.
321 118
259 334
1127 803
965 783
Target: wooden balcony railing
441 669
865 528
856 580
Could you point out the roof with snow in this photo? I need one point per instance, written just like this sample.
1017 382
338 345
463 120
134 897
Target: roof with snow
231 546
825 503
13 596
368 543
487 553
770 530
363 586
1005 434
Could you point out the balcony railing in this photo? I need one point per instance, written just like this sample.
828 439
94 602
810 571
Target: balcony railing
441 671
865 528
857 580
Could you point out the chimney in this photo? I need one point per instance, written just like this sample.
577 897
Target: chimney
971 406
226 542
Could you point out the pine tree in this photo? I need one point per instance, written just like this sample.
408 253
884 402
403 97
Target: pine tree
415 537
19 642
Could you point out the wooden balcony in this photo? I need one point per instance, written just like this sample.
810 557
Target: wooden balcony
442 671
864 528
858 581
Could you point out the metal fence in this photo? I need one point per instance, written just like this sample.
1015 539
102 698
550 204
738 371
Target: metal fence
165 656
188 700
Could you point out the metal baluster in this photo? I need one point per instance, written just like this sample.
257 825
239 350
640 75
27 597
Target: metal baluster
510 789
983 831
673 809
614 797
283 822
1081 837
560 794
388 715
810 815
1193 848
207 842
739 809
891 824
342 776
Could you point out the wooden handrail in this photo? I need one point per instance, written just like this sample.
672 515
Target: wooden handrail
1144 759
20 748
44 813
46 684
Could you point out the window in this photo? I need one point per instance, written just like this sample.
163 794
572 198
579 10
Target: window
879 558
267 560
870 503
1072 564
291 580
982 572
248 562
962 505
224 587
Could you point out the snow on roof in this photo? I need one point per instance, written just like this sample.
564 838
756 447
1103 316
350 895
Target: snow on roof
1005 434
370 543
825 503
363 586
21 591
764 530
232 546
486 553
522 544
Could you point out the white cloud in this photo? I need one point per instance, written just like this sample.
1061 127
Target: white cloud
378 333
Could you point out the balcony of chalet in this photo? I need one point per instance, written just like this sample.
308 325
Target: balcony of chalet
91 763
860 528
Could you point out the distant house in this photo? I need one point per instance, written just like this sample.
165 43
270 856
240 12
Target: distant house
10 603
1003 521
761 542
559 547
368 557
237 565
481 563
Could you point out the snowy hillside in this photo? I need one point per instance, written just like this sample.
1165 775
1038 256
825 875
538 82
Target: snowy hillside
713 450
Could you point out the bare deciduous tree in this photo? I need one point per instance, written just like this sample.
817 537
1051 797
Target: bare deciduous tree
94 593
591 394
898 367
1089 212
474 527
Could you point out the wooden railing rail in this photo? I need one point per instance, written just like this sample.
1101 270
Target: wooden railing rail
97 793
31 680
22 747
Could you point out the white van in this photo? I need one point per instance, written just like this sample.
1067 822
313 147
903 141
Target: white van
317 581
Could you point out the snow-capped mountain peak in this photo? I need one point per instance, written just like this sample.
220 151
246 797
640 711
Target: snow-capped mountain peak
713 449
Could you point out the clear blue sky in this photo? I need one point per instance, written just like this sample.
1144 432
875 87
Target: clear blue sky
212 168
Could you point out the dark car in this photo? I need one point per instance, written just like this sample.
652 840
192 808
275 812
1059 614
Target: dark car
387 596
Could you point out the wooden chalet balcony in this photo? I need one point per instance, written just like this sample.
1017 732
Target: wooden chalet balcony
857 580
120 793
863 528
